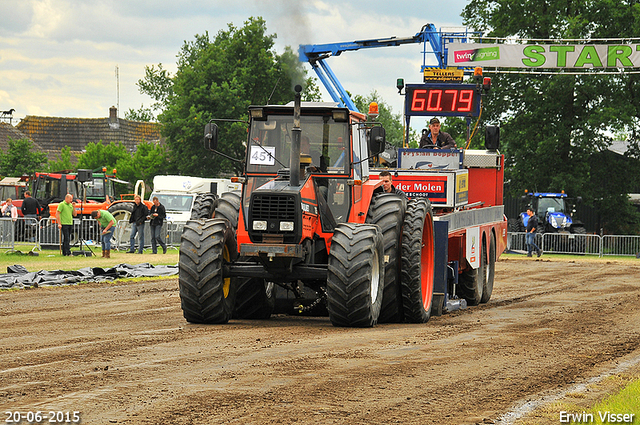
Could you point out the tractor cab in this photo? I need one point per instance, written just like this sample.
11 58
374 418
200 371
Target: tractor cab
553 212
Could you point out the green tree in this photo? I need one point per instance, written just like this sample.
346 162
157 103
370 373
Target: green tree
392 123
20 159
218 79
149 160
62 161
143 114
98 155
552 124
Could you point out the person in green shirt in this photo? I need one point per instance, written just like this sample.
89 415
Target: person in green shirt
64 216
107 221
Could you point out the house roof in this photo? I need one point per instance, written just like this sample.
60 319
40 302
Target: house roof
7 131
54 133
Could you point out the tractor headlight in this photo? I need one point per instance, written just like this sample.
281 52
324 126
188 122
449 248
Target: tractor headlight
554 223
286 226
260 225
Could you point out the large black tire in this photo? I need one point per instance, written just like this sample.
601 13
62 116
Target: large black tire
418 261
355 280
471 281
387 211
206 295
229 207
490 271
203 206
255 299
121 211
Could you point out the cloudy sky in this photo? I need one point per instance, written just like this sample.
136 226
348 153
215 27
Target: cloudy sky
59 57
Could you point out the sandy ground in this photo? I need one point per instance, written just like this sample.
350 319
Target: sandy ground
123 353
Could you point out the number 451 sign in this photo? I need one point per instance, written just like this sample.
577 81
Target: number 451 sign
262 155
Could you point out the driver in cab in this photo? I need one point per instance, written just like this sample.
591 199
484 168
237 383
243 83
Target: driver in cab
436 139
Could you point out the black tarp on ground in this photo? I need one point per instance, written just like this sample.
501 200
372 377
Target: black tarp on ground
18 277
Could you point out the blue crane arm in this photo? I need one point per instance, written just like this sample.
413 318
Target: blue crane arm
316 54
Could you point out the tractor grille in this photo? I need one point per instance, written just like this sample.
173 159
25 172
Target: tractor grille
267 207
274 209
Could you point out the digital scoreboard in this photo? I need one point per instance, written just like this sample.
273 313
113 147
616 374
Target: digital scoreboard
442 100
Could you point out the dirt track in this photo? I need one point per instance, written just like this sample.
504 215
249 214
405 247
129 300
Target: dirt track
122 353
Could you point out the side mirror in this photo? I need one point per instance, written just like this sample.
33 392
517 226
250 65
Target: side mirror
578 199
377 140
492 138
211 136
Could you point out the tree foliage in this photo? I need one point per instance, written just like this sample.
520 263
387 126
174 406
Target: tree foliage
391 122
551 125
98 155
143 114
20 159
63 161
148 160
218 79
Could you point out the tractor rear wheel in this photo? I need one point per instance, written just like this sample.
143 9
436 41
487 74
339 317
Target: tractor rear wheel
490 271
387 211
206 295
471 282
355 279
203 206
255 299
418 261
121 211
229 207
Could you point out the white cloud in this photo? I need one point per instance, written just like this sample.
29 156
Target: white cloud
58 57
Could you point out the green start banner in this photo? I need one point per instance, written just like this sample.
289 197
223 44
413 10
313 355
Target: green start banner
580 56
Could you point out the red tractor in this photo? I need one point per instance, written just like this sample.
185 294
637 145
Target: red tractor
308 233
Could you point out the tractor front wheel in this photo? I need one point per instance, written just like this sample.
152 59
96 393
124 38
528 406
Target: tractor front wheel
387 211
255 299
206 295
355 280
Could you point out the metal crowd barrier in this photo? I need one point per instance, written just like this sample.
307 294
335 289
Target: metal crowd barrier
85 230
171 232
564 243
7 233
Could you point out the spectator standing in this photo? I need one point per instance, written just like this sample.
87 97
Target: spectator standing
9 211
157 216
106 220
64 216
532 228
31 209
138 217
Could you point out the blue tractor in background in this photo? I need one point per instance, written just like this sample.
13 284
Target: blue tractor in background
553 211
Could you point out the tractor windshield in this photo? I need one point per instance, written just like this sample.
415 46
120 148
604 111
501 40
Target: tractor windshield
325 140
546 205
100 189
175 203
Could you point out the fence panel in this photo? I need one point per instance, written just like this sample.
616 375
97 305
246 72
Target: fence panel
171 232
620 245
565 243
85 230
26 233
7 233
562 243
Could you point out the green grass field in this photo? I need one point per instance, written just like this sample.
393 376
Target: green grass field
53 260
